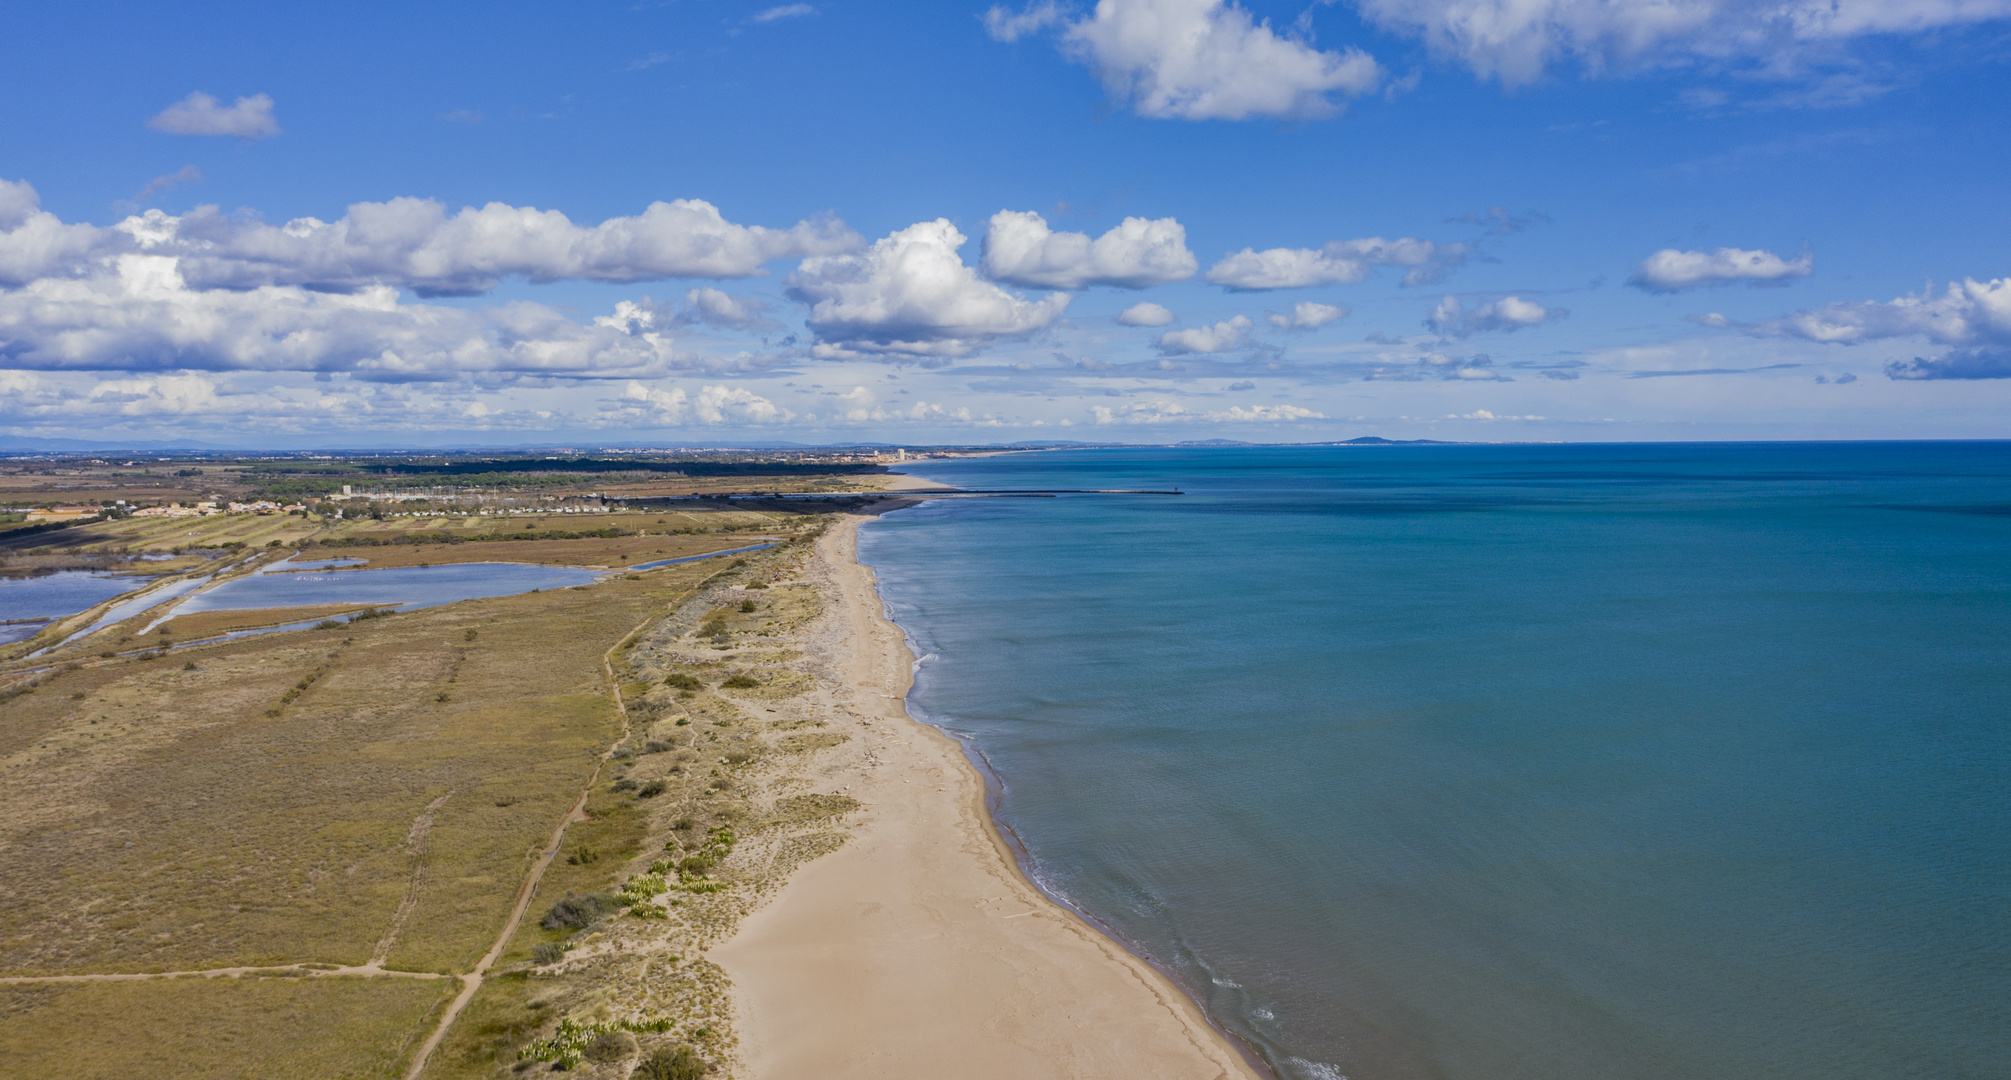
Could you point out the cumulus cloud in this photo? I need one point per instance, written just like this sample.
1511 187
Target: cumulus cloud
36 244
1020 249
1515 41
1307 315
1196 59
910 294
136 312
1968 312
1342 262
1670 270
1957 364
200 114
415 244
1145 313
1225 336
1509 313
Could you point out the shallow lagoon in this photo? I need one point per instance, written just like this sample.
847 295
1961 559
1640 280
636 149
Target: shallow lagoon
53 596
407 588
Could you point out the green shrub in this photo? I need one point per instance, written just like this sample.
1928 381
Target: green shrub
748 607
741 682
610 1046
572 912
583 856
547 952
624 784
667 1064
681 681
652 789
656 746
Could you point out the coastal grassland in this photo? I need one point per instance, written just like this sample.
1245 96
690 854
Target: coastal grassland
705 812
219 1029
262 807
373 792
597 551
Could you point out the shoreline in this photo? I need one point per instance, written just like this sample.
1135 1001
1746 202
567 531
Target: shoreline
920 947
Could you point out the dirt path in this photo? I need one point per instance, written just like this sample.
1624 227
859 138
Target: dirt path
416 844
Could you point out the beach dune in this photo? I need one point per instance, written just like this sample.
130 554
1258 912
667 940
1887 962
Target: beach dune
918 949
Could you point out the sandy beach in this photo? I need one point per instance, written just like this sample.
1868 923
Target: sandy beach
918 949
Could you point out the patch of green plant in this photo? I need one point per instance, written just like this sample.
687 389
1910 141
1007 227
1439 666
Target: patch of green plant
682 681
548 952
668 1064
741 682
575 912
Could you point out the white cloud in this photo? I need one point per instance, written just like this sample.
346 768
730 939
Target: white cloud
1670 270
187 174
171 395
1020 249
135 312
200 114
1164 411
911 294
713 405
1004 24
415 244
1145 313
1483 414
1267 414
1225 336
35 243
1509 313
719 310
736 405
785 11
1307 315
1342 262
1968 312
1196 59
1516 40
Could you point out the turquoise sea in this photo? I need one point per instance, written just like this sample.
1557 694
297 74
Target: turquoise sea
1578 762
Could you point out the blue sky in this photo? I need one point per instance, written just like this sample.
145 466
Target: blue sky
1473 219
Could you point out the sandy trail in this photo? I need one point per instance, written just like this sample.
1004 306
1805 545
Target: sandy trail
918 949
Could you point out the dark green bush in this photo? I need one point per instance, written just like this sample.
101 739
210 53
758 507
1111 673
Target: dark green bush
610 1046
748 606
681 681
668 1064
578 912
652 789
547 952
656 746
741 682
624 785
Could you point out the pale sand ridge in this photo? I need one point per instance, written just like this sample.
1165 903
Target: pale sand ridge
918 949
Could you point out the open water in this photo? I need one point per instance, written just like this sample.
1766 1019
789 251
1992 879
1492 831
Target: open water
1492 763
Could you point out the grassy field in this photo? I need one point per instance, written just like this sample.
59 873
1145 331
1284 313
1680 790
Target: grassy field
218 1029
375 792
